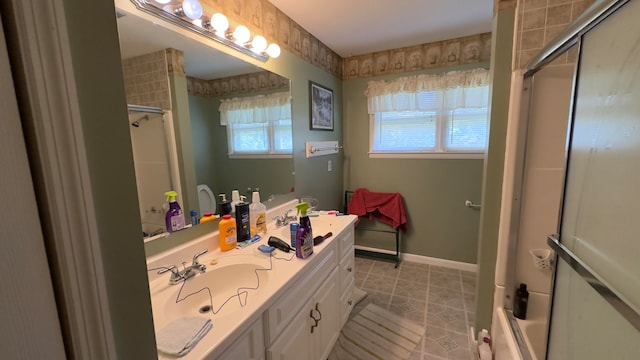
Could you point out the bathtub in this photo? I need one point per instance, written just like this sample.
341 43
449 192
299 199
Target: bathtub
515 339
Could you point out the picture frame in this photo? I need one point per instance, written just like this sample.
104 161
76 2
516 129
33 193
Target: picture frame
321 107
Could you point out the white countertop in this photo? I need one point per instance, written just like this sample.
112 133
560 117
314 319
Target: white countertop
234 317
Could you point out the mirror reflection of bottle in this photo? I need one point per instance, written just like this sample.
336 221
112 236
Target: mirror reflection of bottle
520 302
224 206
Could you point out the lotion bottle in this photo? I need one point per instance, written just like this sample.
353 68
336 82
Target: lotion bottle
242 220
304 234
257 215
174 218
227 233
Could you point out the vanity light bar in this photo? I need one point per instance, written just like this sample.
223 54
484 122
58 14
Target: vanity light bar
188 14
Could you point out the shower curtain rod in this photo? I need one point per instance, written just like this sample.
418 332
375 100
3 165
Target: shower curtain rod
147 109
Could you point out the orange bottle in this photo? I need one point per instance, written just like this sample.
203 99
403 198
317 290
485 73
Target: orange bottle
227 233
207 217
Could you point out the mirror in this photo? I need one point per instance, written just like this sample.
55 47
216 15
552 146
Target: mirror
200 141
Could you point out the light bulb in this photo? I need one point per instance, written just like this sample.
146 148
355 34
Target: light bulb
192 9
219 23
241 34
273 50
259 43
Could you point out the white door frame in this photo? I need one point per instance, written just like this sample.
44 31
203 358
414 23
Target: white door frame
63 185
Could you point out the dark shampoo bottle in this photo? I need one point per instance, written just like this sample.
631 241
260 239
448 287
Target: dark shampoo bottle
520 302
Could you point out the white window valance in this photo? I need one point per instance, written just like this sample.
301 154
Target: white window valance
448 91
256 109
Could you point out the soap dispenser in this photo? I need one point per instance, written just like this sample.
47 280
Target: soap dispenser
224 206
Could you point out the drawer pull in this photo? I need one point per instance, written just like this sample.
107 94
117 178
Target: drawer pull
350 302
318 310
315 325
349 269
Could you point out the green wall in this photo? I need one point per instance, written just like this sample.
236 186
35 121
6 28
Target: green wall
221 174
97 72
434 190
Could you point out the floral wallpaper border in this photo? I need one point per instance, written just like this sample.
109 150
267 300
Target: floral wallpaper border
464 50
234 85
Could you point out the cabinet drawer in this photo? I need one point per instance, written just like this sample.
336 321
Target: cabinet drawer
281 313
346 269
346 303
345 241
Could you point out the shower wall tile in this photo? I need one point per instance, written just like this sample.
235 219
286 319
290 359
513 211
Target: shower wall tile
534 19
147 81
534 33
558 15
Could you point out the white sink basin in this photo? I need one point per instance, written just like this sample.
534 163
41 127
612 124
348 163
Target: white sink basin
224 289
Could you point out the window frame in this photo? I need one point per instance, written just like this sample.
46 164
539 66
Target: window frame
271 152
438 152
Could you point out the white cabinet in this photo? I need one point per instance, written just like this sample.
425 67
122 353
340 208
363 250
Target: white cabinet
314 329
248 346
280 314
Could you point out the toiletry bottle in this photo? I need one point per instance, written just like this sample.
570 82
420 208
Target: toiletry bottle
224 206
227 233
484 345
243 226
520 302
257 215
174 218
194 217
293 227
235 200
207 217
304 234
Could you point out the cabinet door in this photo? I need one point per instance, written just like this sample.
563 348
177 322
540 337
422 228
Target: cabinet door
248 346
326 306
295 342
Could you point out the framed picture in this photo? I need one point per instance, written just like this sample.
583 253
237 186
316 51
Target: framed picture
321 100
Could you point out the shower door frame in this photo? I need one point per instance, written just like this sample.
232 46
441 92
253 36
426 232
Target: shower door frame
571 37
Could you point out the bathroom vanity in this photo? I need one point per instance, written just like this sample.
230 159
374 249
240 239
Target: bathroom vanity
262 306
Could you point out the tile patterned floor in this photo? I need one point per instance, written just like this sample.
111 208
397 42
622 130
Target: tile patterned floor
442 299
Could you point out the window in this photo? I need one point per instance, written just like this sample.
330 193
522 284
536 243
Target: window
429 114
258 126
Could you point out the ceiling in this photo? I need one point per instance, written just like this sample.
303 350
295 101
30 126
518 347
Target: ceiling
356 27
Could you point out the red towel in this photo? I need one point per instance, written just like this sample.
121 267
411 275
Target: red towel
385 207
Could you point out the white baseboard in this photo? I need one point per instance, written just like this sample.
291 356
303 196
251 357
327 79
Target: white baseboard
458 265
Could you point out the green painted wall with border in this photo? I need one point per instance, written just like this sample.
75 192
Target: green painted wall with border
434 190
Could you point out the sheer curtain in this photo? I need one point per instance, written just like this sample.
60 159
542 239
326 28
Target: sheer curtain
448 91
256 109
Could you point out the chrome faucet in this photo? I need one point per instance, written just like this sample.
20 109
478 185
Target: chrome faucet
285 219
178 276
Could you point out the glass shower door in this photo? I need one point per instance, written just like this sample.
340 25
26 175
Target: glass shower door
596 297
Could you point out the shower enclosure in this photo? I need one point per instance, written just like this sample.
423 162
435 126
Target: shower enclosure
573 190
155 159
